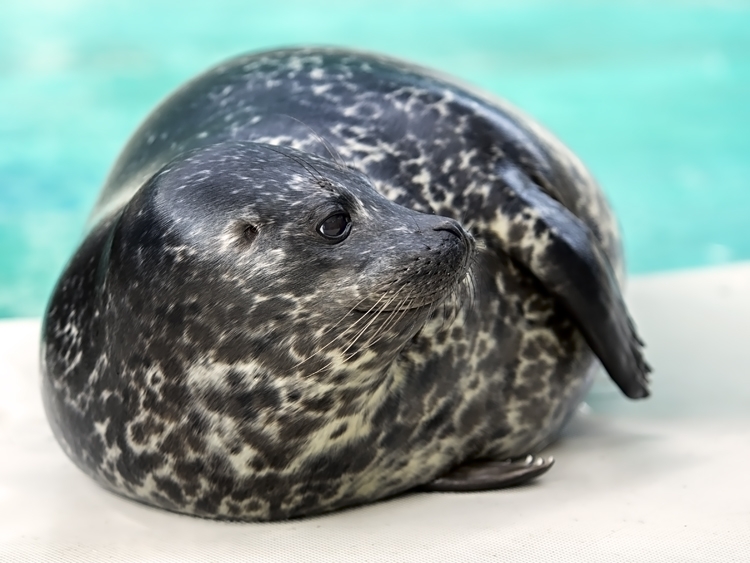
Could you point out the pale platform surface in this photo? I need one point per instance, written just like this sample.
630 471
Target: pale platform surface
667 479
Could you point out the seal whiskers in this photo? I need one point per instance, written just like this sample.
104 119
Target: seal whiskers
335 156
363 317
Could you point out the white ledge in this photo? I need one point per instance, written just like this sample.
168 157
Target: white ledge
659 480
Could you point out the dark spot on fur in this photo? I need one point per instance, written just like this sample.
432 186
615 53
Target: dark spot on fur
323 403
188 470
471 417
339 431
251 507
208 504
293 396
298 426
539 228
442 416
531 350
352 458
395 437
170 488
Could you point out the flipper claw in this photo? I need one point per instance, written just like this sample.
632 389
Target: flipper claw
488 475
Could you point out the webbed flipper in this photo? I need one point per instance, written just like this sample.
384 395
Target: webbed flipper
488 475
565 256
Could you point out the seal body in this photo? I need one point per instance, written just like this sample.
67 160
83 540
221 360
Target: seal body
316 278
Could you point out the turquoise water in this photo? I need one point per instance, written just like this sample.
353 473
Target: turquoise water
655 98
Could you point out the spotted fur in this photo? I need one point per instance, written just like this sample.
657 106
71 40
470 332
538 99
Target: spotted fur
206 351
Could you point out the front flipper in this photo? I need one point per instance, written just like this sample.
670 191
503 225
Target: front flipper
562 252
488 475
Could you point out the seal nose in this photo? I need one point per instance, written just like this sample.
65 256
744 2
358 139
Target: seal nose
455 228
451 226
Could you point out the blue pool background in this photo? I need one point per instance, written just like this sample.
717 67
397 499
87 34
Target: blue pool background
654 97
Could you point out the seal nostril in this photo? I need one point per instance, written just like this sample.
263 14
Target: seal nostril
450 226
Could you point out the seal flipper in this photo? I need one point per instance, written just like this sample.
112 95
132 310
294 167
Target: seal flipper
487 475
562 252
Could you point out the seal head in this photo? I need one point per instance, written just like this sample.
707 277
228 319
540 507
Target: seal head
307 264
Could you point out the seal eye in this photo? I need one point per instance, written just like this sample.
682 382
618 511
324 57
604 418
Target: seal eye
250 232
335 227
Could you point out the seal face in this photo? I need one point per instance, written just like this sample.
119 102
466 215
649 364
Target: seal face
280 308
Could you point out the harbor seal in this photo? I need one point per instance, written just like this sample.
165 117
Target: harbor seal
316 278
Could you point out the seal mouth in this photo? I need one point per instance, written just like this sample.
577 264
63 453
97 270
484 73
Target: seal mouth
401 308
401 301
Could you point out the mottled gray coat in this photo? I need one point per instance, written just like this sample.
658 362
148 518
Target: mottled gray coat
209 351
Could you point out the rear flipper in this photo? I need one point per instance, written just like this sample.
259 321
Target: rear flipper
562 252
489 475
